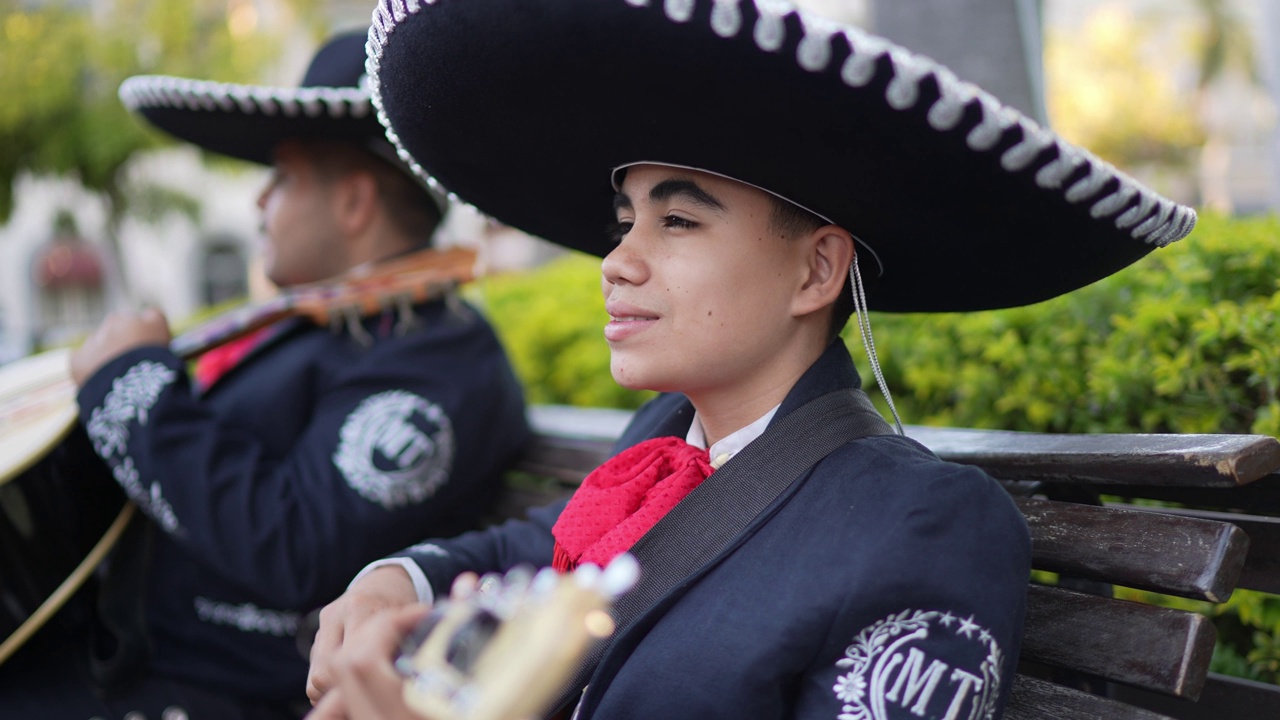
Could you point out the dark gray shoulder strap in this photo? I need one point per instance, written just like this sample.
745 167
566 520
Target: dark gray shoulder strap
709 518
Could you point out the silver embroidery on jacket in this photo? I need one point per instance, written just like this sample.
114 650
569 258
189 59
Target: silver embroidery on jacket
395 449
892 672
247 617
130 399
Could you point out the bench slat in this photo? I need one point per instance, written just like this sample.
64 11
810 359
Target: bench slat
1035 699
1222 697
1261 569
1260 496
1151 647
1219 461
1159 460
1190 557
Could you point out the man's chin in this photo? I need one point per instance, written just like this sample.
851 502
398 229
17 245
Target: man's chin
632 377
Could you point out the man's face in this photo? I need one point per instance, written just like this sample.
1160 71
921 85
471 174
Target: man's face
699 287
303 241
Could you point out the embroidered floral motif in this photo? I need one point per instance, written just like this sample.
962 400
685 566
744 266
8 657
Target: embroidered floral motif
891 672
131 398
850 688
247 617
395 449
151 501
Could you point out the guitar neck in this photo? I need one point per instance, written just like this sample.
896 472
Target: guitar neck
367 290
232 325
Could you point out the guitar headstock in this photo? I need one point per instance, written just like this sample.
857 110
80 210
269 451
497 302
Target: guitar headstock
503 648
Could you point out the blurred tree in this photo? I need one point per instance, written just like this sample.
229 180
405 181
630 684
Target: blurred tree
60 66
1225 43
1111 94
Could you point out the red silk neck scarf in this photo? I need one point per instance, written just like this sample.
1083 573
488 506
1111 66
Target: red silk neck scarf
620 500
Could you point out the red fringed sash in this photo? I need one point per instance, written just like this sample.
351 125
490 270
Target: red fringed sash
620 500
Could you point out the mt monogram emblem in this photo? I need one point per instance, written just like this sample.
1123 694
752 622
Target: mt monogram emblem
896 669
395 448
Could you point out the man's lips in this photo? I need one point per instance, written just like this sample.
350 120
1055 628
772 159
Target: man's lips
627 320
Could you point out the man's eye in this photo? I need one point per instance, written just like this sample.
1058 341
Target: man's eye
619 230
677 222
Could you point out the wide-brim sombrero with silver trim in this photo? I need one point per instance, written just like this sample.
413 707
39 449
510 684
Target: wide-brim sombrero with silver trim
524 107
248 121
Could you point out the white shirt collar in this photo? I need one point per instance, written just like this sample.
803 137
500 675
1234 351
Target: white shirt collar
731 444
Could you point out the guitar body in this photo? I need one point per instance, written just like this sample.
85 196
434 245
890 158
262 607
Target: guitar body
503 648
56 496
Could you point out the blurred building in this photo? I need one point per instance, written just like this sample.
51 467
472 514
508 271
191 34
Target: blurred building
57 277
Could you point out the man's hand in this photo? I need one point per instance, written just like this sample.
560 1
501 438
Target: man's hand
118 334
382 589
367 685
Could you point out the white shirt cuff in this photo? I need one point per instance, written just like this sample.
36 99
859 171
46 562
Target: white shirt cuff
420 584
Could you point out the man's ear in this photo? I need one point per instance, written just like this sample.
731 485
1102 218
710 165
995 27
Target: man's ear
829 252
356 202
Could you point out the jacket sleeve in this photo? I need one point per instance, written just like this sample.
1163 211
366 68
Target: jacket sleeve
293 530
937 637
492 550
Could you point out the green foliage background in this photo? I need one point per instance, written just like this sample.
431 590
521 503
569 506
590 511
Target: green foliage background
1186 340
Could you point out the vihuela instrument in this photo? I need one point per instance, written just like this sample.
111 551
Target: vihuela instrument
504 648
60 511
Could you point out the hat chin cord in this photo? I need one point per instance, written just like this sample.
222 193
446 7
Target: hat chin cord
864 326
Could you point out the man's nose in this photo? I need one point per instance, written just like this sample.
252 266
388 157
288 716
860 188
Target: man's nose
625 263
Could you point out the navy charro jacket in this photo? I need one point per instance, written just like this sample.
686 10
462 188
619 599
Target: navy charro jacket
884 583
313 456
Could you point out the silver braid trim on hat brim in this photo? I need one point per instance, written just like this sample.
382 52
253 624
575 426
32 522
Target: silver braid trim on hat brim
386 15
1153 219
162 91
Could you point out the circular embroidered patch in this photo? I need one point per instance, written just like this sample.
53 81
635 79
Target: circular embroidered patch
920 664
395 448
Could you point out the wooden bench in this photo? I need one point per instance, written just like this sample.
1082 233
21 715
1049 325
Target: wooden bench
1085 654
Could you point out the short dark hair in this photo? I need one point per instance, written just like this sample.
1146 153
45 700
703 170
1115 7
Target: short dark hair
790 221
410 207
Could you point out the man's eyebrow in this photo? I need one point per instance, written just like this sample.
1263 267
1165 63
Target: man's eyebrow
686 188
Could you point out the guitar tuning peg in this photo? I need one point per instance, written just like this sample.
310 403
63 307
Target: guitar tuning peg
362 336
619 576
456 306
406 320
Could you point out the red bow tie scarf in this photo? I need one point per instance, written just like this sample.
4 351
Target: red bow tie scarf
620 500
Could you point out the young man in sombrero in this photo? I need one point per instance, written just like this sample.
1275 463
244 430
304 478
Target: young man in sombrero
315 453
763 162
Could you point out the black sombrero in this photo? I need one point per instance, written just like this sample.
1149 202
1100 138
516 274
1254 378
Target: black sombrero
524 107
247 121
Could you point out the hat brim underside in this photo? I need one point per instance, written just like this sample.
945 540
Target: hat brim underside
523 109
247 122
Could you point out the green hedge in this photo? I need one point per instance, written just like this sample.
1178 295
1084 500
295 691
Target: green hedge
1186 340
1183 341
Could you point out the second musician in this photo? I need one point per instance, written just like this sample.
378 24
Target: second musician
301 454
